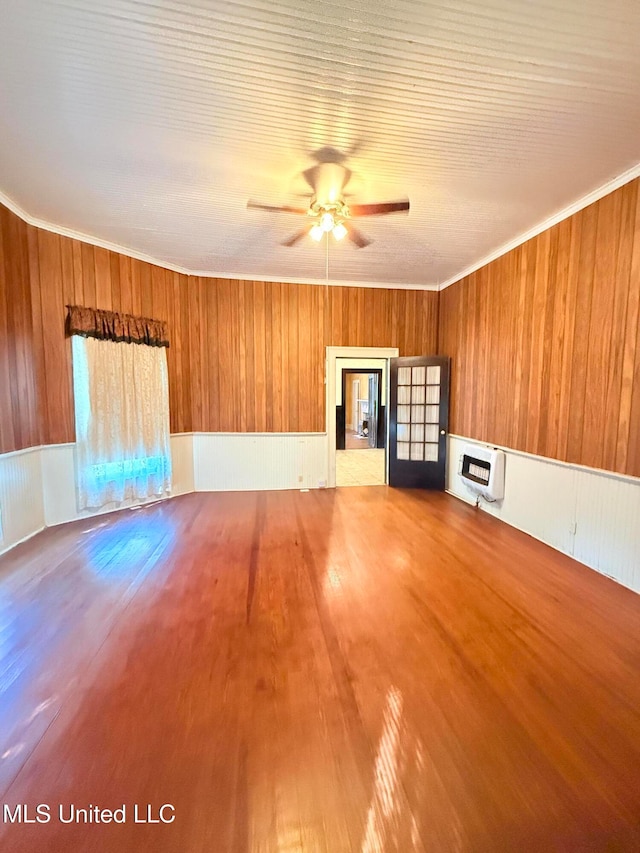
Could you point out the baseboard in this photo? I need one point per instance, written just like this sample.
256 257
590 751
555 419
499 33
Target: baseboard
26 538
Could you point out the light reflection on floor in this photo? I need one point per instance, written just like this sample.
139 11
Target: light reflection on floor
384 811
114 558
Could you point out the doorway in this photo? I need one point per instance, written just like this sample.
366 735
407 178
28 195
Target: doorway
361 427
360 421
364 360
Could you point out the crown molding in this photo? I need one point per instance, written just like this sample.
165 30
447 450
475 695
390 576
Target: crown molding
591 197
554 219
85 238
140 256
318 282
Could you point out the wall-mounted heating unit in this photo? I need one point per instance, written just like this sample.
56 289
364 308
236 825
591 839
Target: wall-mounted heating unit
482 470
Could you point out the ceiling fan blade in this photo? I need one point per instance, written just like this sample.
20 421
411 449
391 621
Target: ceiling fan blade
255 205
346 177
291 241
311 176
378 209
357 237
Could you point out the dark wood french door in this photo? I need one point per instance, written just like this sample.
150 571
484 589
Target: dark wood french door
418 421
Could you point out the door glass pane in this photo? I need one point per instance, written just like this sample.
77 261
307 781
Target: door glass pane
433 374
433 414
417 451
403 450
433 394
431 453
404 376
418 375
404 394
417 394
417 414
431 432
403 414
402 432
417 432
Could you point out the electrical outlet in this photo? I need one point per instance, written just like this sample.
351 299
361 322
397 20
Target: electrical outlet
572 528
300 478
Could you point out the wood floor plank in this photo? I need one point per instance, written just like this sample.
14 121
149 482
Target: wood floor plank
342 671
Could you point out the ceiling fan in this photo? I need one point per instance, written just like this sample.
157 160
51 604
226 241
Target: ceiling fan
328 209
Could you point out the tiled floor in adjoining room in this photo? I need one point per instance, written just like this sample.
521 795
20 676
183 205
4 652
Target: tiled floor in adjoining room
360 467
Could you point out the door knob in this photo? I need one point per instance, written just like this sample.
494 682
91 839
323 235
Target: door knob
442 432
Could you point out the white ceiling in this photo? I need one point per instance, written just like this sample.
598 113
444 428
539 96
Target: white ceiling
148 124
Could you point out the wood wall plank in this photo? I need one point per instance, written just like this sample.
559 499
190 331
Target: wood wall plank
619 308
19 331
212 357
580 352
545 343
630 402
8 250
59 424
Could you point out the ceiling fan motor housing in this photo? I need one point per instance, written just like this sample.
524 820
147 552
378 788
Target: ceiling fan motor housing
338 209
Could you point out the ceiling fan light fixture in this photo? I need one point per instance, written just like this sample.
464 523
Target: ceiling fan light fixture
327 222
327 210
339 231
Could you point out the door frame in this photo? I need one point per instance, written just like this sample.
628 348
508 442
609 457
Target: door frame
377 371
332 354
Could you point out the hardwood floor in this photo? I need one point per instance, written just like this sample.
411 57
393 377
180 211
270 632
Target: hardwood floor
347 670
354 441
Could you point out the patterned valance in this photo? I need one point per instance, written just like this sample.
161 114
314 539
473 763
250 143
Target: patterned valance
111 326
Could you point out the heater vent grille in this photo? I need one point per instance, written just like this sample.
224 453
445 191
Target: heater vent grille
478 472
482 469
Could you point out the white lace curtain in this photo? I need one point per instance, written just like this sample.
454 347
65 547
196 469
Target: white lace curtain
122 421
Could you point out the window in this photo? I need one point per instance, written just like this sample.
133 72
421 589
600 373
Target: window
122 421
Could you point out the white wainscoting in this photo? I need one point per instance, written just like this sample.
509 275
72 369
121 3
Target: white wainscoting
182 481
594 516
37 487
59 479
259 461
21 501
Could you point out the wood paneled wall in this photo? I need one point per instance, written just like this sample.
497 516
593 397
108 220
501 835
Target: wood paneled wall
244 355
19 411
545 341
